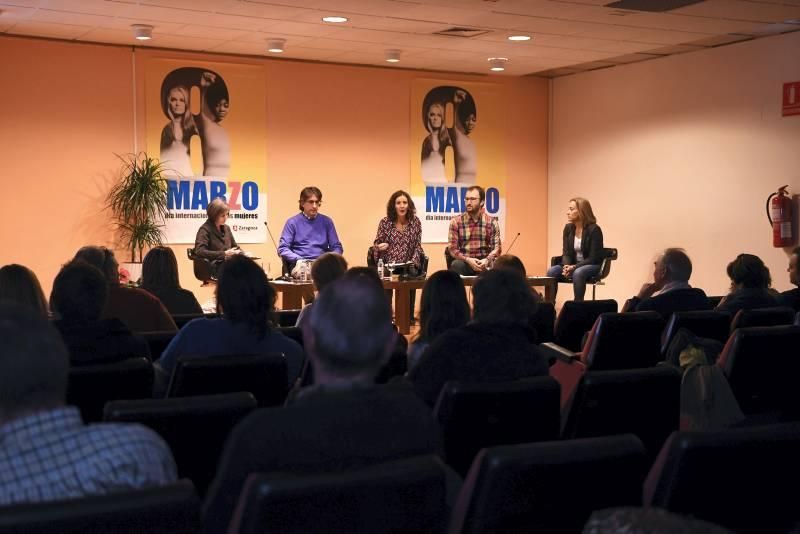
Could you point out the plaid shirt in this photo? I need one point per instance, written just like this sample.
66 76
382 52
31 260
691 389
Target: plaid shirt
51 455
474 238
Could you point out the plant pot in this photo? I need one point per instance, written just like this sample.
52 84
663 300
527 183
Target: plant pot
134 270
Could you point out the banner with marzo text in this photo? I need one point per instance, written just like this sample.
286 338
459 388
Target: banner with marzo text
456 141
206 122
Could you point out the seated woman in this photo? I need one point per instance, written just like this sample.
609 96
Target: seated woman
245 301
444 307
19 284
160 277
583 247
214 241
750 286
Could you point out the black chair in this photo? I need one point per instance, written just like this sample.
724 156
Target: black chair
292 332
195 428
90 387
740 478
549 487
476 416
576 318
714 301
401 496
543 322
644 402
762 367
263 375
609 255
157 342
624 341
702 323
203 269
172 509
448 257
797 319
779 315
285 318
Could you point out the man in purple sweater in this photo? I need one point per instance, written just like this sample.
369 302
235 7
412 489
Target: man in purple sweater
309 234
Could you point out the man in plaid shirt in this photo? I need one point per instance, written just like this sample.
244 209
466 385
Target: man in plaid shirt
474 236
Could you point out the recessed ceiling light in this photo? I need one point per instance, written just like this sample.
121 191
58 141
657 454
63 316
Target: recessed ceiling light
392 55
519 37
142 32
335 19
497 64
276 46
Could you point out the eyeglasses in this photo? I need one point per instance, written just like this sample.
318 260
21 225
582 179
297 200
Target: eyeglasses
476 199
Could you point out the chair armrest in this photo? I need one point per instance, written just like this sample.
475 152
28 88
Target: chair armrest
555 352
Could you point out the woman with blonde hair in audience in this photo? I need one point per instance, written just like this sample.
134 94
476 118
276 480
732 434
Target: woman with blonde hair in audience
160 277
19 284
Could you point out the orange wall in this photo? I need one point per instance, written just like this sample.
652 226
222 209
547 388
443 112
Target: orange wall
342 128
680 151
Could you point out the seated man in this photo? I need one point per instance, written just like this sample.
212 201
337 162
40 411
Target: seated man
494 347
344 420
791 298
474 236
670 290
78 297
308 235
46 452
137 308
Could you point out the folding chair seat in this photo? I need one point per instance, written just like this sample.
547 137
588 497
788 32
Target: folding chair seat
195 428
549 487
576 318
776 316
702 323
171 509
402 496
739 478
90 387
263 375
476 416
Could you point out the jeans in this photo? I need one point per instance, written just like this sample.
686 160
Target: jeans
579 277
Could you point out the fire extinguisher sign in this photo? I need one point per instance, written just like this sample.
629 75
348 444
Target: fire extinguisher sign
791 99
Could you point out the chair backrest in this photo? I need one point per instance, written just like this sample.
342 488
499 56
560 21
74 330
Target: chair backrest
702 323
263 375
740 478
549 487
776 316
173 509
713 301
448 258
797 319
157 341
285 318
195 428
624 341
577 318
543 322
763 367
201 266
644 402
609 255
292 332
402 496
424 270
370 258
475 416
90 387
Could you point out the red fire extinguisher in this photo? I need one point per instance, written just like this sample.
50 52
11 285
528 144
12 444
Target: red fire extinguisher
779 213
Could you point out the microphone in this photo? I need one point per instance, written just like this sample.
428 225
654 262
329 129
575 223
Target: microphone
512 243
271 238
283 276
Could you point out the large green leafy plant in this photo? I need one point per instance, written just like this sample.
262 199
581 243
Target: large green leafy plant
139 202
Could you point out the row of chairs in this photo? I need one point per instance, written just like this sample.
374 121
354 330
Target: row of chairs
739 479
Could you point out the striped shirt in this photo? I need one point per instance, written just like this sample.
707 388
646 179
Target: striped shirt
51 455
474 238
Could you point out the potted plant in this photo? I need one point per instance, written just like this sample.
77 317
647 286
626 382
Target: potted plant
138 203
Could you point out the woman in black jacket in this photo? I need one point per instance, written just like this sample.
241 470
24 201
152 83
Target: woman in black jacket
583 247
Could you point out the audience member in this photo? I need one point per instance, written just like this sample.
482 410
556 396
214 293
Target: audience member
325 269
341 422
46 452
750 285
19 284
494 347
444 306
78 297
670 290
160 277
509 261
791 298
245 301
138 309
541 323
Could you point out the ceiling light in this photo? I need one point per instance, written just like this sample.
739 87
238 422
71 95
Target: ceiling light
497 64
276 46
143 32
392 55
335 19
519 37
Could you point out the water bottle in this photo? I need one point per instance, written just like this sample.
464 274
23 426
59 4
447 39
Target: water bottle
380 268
304 272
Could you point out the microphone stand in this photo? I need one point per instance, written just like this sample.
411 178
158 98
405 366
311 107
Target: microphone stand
283 276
